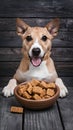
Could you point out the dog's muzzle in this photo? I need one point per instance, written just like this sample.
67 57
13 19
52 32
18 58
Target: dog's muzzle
36 52
36 57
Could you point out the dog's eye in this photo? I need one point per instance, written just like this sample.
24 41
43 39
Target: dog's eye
28 38
44 38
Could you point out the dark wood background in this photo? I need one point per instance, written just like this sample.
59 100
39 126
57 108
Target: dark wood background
35 12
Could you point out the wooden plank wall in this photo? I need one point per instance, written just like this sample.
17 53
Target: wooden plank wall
35 12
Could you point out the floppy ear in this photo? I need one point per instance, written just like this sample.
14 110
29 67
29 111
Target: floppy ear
53 27
21 26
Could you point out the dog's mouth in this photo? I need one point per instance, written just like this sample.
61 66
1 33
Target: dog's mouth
36 61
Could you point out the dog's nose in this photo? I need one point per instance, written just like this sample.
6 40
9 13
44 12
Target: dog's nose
36 51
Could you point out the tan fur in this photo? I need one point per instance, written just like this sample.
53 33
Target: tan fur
50 65
35 33
46 69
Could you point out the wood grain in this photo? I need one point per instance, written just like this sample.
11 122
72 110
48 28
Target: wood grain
68 81
35 8
66 110
10 38
58 54
66 105
8 120
4 80
9 68
36 12
42 120
9 24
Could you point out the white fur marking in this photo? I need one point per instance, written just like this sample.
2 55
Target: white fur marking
36 45
9 89
63 89
39 72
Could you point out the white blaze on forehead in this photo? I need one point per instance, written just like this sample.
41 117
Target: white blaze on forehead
36 45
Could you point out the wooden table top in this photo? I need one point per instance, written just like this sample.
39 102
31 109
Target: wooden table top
57 117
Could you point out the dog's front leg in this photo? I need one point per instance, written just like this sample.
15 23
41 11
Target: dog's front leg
54 78
62 87
9 89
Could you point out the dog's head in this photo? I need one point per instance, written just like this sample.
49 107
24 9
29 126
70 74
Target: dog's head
37 40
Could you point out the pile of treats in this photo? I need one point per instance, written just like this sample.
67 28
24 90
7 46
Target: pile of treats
37 90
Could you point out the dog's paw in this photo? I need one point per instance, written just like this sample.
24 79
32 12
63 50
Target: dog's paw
62 87
9 89
63 91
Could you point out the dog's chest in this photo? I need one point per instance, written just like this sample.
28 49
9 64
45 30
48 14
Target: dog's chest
40 72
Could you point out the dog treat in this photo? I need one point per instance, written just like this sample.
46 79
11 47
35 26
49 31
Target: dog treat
43 84
51 85
22 89
46 96
26 95
50 92
37 90
43 93
36 97
29 89
35 82
16 109
29 84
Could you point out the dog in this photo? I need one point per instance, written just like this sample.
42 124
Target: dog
36 61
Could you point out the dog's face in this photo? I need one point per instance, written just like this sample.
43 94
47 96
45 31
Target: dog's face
37 40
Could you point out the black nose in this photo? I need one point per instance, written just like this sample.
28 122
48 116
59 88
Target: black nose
36 51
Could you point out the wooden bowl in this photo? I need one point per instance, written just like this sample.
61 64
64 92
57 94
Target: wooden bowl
36 104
